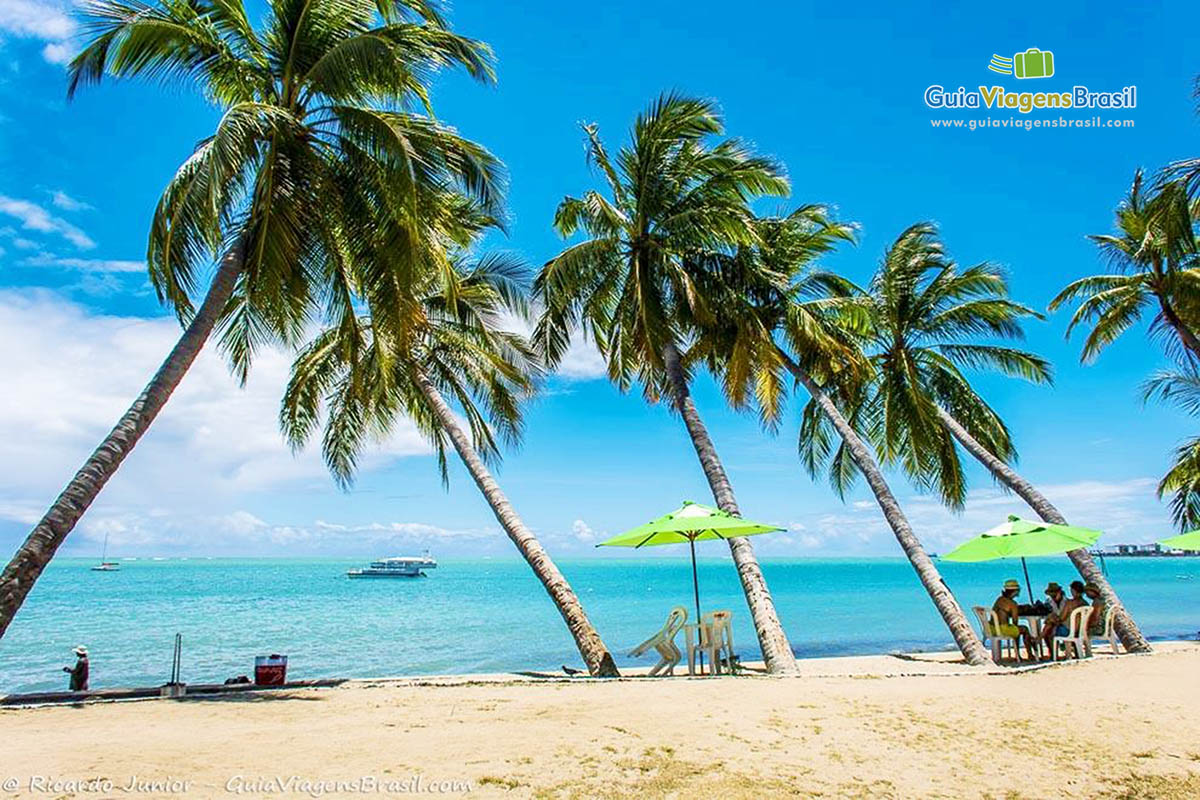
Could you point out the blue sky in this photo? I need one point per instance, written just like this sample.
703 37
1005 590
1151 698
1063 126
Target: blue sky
834 91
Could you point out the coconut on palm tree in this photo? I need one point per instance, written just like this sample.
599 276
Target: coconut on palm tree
367 376
789 317
926 317
1155 253
671 194
317 125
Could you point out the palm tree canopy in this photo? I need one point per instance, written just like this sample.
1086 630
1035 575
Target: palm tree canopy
771 290
362 378
674 193
325 113
1182 481
925 318
1154 254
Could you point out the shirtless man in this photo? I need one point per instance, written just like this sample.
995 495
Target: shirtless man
1009 616
1076 601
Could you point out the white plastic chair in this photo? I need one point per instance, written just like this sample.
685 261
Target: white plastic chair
989 626
715 637
1077 635
664 643
1110 632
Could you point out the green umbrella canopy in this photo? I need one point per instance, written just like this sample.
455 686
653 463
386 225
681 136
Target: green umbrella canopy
1187 541
1020 538
691 522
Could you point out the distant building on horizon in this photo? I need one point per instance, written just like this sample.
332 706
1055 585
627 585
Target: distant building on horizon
1142 550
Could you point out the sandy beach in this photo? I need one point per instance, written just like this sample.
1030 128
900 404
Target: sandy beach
877 726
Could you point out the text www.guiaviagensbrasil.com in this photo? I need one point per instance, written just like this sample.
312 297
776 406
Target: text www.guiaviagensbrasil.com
1014 123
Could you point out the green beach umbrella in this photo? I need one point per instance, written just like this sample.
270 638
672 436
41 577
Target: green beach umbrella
691 523
1187 541
1021 538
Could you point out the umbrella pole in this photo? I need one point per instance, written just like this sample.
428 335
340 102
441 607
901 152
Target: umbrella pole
695 579
1028 586
696 591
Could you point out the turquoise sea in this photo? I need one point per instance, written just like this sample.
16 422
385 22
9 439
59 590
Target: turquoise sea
491 615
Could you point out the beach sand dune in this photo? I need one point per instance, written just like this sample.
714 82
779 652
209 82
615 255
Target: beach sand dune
874 727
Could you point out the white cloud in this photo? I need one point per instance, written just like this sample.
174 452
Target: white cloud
1126 510
86 264
36 19
63 200
138 532
583 532
97 284
58 53
69 377
243 522
49 22
35 218
582 361
25 513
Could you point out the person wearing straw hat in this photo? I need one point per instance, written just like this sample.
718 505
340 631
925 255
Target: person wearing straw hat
79 673
1059 604
1008 613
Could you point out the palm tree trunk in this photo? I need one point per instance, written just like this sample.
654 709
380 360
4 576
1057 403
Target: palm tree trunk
943 599
595 655
1127 629
1190 343
777 652
44 540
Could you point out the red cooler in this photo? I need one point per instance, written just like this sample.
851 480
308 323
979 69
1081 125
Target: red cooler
270 670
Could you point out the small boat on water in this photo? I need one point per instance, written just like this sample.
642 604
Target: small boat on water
105 565
399 567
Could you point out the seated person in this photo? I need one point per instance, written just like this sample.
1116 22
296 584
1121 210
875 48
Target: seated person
1008 614
1061 623
1096 620
1060 617
1056 598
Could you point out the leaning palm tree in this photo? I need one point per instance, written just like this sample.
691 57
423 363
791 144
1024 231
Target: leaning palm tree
1182 480
1157 257
368 376
791 318
317 124
671 194
926 316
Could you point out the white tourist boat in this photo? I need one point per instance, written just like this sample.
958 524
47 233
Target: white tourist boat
399 567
